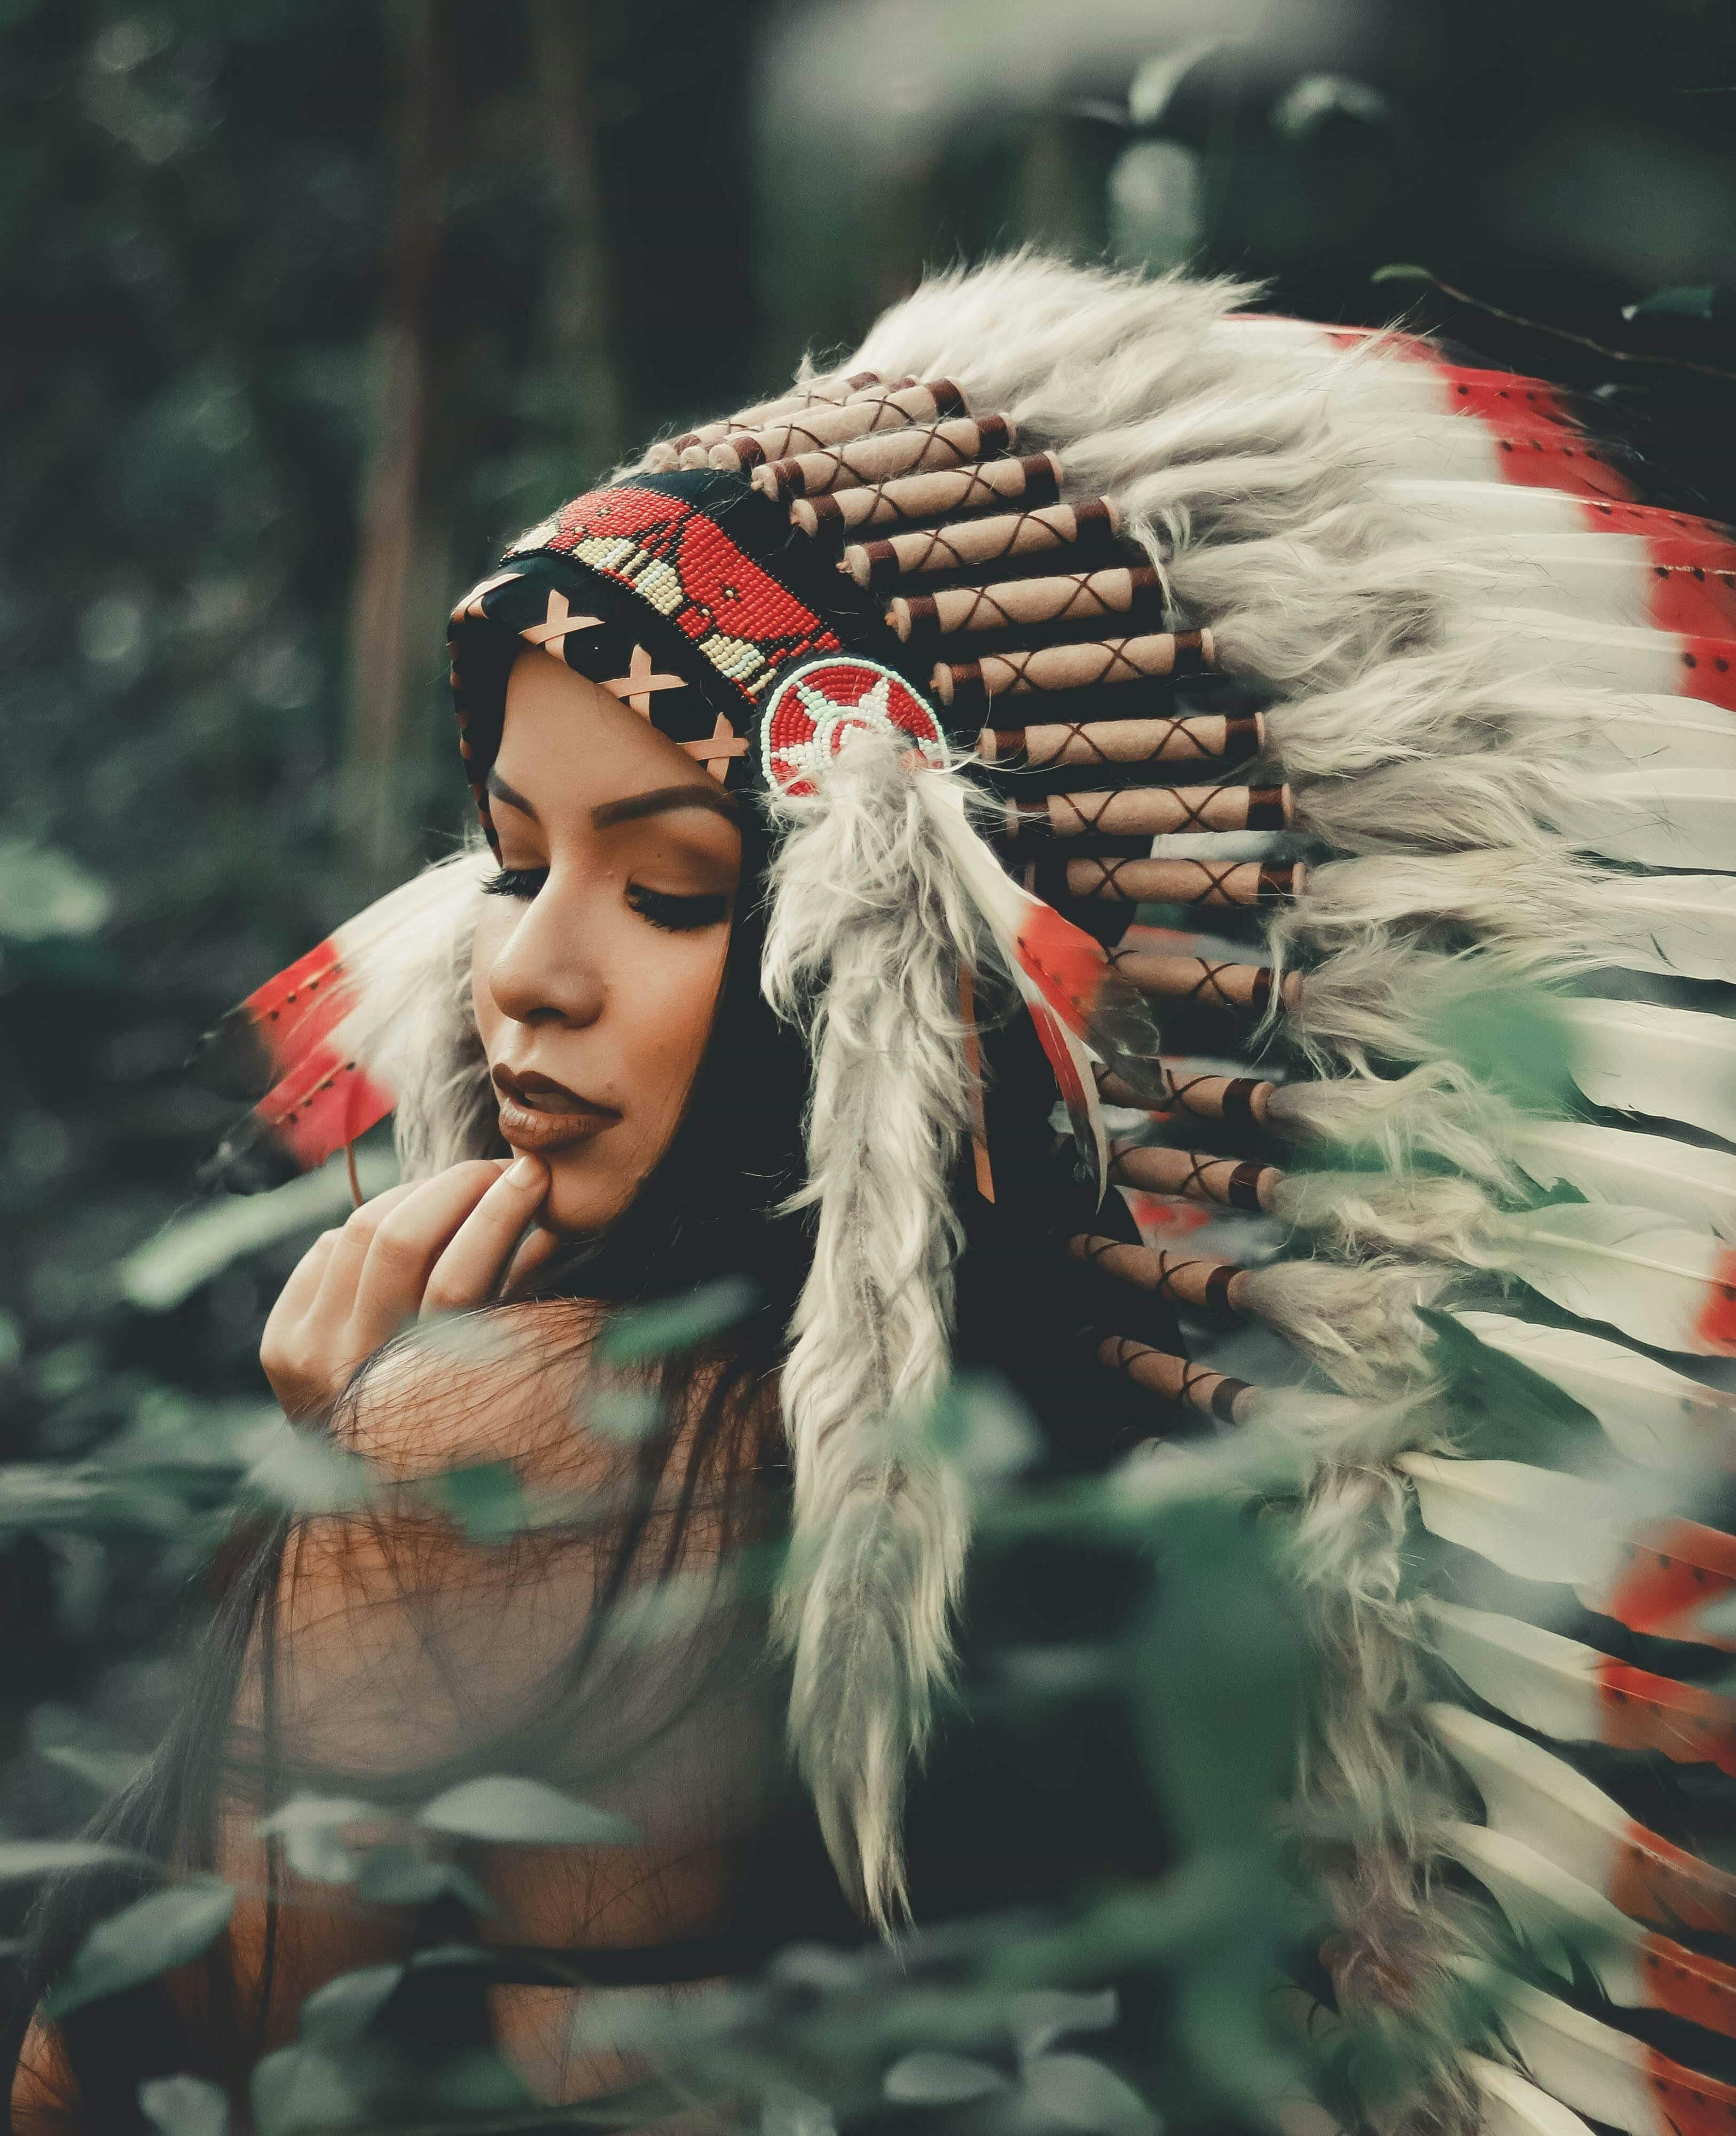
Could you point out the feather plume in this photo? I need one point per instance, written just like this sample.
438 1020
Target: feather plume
1685 924
1671 735
1675 1063
869 926
1511 2105
1641 1171
1651 1413
1660 819
1671 1287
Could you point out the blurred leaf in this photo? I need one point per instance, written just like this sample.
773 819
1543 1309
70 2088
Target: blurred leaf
1513 1038
192 1249
398 1877
103 1771
625 1413
1697 303
298 2088
185 2105
153 1935
940 2080
310 1826
641 1333
486 1500
343 2009
1154 86
1073 2091
1045 2016
21 1859
1503 1410
309 1474
984 1429
1311 105
1404 271
502 1808
46 894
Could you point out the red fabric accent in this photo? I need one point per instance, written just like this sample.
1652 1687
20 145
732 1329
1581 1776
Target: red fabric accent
1674 1568
302 1005
1646 1712
1717 1323
1653 1880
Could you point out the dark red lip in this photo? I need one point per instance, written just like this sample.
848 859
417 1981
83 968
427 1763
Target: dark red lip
536 1113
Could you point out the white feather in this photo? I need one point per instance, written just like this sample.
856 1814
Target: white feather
1511 2105
1536 1798
1660 819
1637 1271
1554 1913
1543 1681
1676 1064
1641 1171
1664 734
1535 1523
1584 2063
1651 1413
1683 924
861 890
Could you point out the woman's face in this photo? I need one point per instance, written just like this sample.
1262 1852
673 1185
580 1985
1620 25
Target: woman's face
599 956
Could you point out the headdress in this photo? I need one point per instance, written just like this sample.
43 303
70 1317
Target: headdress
1367 659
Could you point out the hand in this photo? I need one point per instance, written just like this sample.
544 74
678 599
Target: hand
437 1246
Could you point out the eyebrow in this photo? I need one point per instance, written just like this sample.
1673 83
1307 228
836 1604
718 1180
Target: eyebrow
498 788
661 800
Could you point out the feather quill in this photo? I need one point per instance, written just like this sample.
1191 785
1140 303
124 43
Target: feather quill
1680 924
1673 1288
1651 1413
1675 1063
1641 1171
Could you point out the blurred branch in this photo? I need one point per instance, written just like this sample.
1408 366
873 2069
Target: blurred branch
1407 273
422 36
580 323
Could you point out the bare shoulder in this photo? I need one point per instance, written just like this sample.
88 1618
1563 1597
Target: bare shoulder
509 1383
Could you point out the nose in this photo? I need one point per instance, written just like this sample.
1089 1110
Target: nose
542 974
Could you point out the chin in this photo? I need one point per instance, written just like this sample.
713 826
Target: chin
581 1198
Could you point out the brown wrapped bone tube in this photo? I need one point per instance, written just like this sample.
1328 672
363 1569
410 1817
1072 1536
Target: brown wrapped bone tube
1036 478
815 428
1074 667
963 543
1233 739
1202 981
1230 1183
1178 1379
691 448
861 462
1238 1098
1200 1280
1242 883
1017 603
1143 811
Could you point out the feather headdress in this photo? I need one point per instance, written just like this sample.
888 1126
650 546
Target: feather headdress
1370 673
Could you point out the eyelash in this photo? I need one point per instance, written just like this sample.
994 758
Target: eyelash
675 915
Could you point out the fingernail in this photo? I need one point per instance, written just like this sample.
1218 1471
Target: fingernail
526 1172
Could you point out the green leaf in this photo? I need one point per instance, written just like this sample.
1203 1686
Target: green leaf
185 2105
309 1826
1074 2091
46 894
1502 1410
1687 304
1046 2015
343 2009
1155 85
984 1430
1513 1038
504 1809
940 2080
308 1473
643 1332
486 1500
190 1250
399 1877
154 1934
1308 106
1402 271
21 1859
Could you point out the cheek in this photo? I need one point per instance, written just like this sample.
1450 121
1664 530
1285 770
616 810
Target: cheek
493 927
665 1011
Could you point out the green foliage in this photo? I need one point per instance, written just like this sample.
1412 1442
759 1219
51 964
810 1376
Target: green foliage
154 1934
184 2106
644 1333
501 1808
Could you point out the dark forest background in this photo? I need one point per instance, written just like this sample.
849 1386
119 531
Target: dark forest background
304 308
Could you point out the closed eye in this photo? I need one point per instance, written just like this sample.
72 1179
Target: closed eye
522 883
678 915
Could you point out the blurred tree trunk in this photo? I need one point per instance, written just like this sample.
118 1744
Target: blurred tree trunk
423 49
580 326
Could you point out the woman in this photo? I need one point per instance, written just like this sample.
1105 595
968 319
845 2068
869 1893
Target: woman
1083 534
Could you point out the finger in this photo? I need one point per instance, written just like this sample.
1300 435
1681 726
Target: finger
470 1270
336 1297
410 1239
303 1287
535 1251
